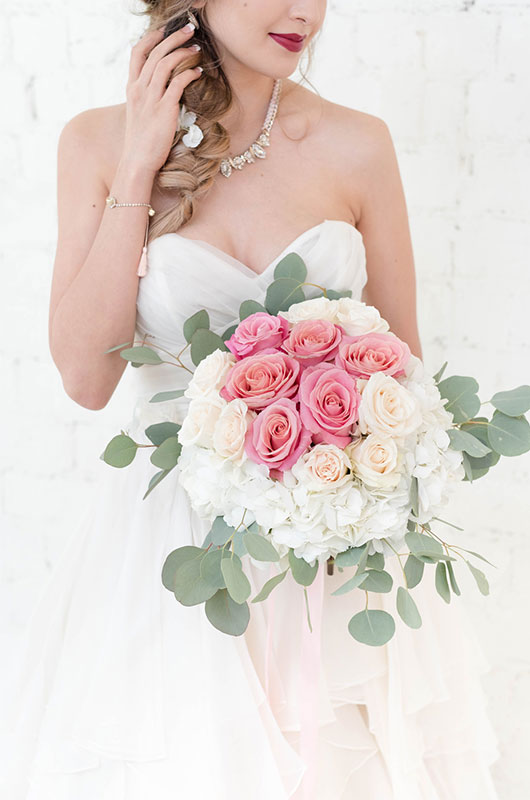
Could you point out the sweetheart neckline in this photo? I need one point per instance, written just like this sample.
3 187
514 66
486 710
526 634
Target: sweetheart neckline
217 250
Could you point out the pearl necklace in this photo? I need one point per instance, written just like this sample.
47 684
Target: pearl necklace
257 148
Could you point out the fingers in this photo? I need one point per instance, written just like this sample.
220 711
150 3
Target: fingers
161 49
166 65
140 51
179 82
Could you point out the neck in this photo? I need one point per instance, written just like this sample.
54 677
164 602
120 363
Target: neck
252 93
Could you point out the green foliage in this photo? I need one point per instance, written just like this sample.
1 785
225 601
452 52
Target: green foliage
220 532
461 394
269 586
236 581
414 569
160 397
249 307
452 578
228 333
462 440
226 615
376 561
141 355
292 266
198 320
378 581
442 586
509 436
352 583
120 451
480 578
161 431
513 403
116 347
155 480
350 557
407 608
259 547
414 496
440 372
204 342
372 626
282 293
303 573
167 454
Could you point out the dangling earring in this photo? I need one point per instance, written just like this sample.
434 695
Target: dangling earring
192 18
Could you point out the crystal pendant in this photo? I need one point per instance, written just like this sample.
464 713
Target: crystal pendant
258 150
226 169
248 156
263 139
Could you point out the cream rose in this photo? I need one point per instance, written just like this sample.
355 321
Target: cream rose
315 308
376 461
355 317
324 467
199 423
230 430
209 374
388 408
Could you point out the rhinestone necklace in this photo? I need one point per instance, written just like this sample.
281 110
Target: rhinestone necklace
257 148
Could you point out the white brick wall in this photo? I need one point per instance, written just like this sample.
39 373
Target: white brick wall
450 77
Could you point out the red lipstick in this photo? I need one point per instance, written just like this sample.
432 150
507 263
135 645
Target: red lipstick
291 41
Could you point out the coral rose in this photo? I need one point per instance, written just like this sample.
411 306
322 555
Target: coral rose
329 403
262 379
363 355
257 332
277 437
312 341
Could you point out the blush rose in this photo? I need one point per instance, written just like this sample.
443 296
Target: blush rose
329 403
277 437
312 341
363 355
257 332
261 379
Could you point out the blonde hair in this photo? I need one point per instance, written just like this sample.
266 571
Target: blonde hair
188 173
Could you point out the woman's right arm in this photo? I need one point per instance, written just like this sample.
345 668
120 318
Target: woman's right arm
94 284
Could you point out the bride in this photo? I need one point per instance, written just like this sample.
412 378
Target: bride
122 693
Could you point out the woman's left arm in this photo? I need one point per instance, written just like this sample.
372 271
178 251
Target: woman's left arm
384 224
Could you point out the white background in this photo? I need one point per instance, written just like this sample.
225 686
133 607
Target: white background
451 81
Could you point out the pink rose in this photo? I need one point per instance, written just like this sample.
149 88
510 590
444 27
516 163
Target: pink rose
312 341
329 403
276 437
257 332
261 379
363 355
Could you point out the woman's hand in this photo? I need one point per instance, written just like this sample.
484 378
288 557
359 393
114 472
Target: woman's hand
153 104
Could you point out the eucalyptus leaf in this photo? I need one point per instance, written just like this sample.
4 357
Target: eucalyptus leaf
228 333
440 580
468 468
333 294
249 307
116 347
237 583
238 544
191 588
174 560
172 394
160 431
414 496
269 586
376 561
220 531
372 626
461 394
167 454
155 480
452 578
203 343
120 451
141 355
463 440
198 320
350 557
514 402
423 544
440 372
480 578
351 584
291 266
303 573
226 615
210 567
509 436
378 581
282 293
414 569
407 608
472 552
259 547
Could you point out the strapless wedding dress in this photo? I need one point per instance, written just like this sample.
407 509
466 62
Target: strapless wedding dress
124 694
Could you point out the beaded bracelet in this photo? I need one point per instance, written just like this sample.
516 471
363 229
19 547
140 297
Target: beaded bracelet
142 265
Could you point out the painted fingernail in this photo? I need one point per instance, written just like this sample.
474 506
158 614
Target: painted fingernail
195 47
189 27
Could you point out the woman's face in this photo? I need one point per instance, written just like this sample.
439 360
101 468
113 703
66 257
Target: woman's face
249 31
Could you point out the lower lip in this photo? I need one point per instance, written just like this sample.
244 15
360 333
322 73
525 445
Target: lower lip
289 44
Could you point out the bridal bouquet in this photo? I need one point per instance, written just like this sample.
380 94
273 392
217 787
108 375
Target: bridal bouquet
313 435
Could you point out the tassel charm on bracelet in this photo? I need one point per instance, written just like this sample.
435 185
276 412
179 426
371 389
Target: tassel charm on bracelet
142 264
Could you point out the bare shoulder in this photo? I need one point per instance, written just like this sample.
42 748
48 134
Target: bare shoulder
97 134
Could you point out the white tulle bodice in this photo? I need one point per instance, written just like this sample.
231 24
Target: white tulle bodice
186 275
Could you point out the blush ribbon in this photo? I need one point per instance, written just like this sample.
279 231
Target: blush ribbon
309 676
